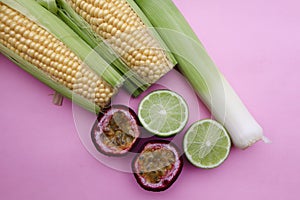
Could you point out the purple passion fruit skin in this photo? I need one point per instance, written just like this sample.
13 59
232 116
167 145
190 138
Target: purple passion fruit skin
157 166
116 130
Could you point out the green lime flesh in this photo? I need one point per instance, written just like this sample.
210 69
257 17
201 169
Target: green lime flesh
206 144
163 113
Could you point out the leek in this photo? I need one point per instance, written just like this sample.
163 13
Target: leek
201 72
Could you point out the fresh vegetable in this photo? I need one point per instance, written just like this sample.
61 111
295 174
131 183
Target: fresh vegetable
49 4
201 72
206 144
44 46
163 113
157 166
116 130
120 26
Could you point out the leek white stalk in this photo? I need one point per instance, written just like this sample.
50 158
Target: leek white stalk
201 72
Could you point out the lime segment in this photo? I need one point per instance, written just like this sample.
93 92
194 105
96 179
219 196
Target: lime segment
163 113
206 144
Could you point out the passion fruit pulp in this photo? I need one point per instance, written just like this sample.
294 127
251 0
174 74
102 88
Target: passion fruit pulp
116 130
157 166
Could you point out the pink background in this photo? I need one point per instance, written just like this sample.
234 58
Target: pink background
256 45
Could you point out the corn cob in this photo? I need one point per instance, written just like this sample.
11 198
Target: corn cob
33 46
133 83
119 24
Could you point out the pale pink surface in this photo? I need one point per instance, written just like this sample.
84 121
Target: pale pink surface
256 45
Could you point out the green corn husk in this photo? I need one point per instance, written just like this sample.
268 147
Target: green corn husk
49 4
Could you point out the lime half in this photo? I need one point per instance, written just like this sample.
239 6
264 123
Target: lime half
163 113
206 144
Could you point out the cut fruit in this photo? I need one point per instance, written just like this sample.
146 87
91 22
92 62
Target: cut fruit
163 113
115 131
157 166
206 144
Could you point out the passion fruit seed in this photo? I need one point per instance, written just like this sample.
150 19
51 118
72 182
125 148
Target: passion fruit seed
155 164
116 130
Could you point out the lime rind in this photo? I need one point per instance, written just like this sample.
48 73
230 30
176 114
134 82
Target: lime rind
163 113
206 144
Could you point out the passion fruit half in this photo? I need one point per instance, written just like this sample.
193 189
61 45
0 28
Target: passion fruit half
116 130
157 166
